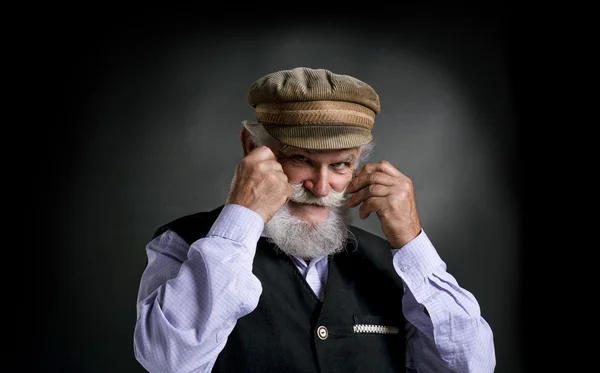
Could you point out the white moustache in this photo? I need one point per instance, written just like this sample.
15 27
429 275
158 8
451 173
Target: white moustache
302 195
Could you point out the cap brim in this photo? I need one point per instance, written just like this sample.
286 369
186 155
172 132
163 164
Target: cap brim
321 137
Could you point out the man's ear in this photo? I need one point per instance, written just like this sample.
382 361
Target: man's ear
246 139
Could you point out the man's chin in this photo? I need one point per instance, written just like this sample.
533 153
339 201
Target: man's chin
313 214
324 233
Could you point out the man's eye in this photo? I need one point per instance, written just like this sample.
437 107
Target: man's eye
340 165
300 158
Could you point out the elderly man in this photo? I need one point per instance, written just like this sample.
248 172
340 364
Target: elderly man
277 279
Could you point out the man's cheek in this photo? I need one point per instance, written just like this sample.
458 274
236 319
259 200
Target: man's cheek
343 184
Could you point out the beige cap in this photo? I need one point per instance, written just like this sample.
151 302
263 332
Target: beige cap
315 108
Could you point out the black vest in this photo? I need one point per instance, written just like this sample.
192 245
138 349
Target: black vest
285 332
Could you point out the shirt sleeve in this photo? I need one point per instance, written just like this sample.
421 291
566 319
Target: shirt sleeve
445 330
190 297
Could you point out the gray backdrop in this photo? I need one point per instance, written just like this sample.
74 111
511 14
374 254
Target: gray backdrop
151 112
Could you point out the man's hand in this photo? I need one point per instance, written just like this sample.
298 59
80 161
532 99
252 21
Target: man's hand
382 189
260 184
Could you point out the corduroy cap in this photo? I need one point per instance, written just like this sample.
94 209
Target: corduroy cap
315 108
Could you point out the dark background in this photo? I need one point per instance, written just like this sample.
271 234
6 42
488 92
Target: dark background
140 111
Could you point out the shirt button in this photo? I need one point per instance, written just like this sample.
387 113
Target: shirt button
322 332
404 268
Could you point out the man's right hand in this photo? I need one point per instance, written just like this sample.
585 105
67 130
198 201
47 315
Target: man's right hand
260 184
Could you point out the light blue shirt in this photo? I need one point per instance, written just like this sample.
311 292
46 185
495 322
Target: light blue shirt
190 298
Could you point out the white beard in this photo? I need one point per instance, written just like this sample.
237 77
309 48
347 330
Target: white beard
300 238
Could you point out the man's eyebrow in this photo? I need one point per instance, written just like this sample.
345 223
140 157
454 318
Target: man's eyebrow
349 158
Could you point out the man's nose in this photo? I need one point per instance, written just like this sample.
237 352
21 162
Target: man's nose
318 183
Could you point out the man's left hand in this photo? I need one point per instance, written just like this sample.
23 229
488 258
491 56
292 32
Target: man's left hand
382 189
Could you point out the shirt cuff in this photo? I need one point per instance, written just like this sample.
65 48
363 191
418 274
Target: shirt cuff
416 261
238 223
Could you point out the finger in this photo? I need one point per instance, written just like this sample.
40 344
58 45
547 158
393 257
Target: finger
284 177
269 166
249 166
262 153
373 190
371 204
366 179
382 166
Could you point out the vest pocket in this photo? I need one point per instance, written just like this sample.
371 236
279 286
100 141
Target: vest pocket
367 324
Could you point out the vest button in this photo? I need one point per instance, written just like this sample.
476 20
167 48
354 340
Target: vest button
322 332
